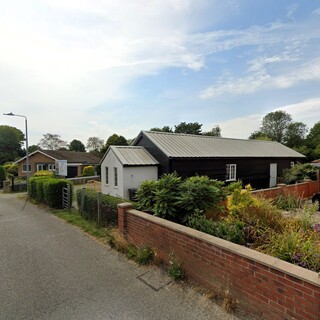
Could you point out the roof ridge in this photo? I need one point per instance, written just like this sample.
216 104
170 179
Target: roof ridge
206 136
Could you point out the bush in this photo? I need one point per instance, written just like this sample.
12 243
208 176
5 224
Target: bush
300 172
88 171
174 199
89 207
166 197
199 194
11 168
224 229
2 173
53 192
32 187
44 173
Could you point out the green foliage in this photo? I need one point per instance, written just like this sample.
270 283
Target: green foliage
53 192
88 226
44 173
144 255
11 139
288 202
88 171
174 199
199 193
175 269
77 145
232 231
214 132
274 125
48 190
145 195
188 128
299 172
166 196
89 206
164 129
11 169
2 173
296 245
33 182
230 188
115 140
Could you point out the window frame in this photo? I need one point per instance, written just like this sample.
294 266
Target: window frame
107 175
24 168
116 181
231 172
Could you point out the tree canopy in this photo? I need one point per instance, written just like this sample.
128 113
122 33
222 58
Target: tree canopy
94 144
188 128
77 145
52 142
11 140
215 132
274 125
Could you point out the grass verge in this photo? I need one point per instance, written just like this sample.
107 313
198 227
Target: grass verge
89 227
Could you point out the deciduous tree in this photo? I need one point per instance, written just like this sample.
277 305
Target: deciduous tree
52 142
189 128
11 140
77 145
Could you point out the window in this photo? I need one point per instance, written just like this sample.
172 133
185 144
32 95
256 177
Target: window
231 172
292 164
115 177
51 167
24 168
107 175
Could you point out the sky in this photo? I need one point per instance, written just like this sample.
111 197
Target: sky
92 68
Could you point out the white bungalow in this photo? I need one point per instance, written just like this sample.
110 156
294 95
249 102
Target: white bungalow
123 168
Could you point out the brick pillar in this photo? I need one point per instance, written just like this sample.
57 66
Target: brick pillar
122 216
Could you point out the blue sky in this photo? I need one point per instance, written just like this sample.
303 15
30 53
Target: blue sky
83 68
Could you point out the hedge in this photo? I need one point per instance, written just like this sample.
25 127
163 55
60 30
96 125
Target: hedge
48 190
89 208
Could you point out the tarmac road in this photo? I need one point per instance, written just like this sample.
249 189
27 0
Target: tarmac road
52 270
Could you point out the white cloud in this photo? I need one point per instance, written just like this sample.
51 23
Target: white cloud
307 111
260 79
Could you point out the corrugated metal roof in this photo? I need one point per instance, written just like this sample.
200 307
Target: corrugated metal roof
176 145
133 156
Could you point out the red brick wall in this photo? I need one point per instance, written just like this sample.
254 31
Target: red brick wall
265 287
302 190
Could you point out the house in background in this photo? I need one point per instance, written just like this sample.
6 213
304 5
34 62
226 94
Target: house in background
257 162
123 168
46 159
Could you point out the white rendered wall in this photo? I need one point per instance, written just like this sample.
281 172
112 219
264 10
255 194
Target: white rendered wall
133 176
111 161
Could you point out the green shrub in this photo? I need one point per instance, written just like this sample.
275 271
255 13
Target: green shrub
89 206
199 193
44 173
166 196
174 199
224 229
40 190
32 187
11 168
145 195
88 171
2 173
299 172
53 192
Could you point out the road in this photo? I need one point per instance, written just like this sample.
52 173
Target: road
52 270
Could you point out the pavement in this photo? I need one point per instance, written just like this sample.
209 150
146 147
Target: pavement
52 270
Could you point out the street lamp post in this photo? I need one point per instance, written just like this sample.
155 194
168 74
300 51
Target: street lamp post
27 152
